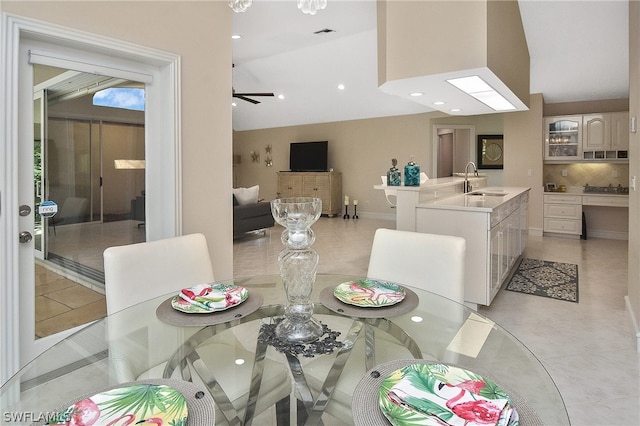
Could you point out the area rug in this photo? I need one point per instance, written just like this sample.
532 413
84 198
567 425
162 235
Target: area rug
548 279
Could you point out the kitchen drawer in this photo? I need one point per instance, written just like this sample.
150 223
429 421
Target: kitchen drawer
563 211
599 200
563 198
503 211
563 226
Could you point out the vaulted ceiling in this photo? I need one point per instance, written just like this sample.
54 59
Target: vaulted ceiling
578 50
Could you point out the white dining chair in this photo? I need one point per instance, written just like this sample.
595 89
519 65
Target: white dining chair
139 272
390 194
432 262
427 261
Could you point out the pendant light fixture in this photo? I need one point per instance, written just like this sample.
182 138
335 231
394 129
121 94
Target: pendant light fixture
239 5
309 7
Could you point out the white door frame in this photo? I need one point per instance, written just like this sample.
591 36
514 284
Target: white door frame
163 147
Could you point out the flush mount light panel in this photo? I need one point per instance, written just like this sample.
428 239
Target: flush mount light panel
479 89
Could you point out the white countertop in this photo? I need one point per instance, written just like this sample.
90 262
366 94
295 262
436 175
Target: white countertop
578 190
431 183
474 202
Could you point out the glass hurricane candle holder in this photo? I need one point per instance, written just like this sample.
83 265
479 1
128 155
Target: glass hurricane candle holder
298 264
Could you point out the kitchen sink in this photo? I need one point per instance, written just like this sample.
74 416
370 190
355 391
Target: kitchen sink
489 194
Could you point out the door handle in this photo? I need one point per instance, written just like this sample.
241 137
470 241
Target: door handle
25 237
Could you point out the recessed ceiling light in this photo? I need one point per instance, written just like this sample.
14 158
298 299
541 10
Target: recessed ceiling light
340 86
236 36
416 94
280 96
438 103
455 110
234 104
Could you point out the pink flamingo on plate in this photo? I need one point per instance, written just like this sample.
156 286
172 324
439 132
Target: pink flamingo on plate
477 411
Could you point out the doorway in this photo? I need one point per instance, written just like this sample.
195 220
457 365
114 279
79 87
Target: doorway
81 159
31 42
453 148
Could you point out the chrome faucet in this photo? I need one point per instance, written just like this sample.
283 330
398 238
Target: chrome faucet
466 187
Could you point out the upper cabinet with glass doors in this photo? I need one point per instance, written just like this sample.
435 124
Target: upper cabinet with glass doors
601 137
563 138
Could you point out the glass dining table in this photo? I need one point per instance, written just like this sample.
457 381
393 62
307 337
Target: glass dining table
336 380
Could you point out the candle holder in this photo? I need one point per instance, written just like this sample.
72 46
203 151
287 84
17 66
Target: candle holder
355 211
298 264
346 212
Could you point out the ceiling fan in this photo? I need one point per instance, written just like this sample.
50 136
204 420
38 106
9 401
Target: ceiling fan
244 96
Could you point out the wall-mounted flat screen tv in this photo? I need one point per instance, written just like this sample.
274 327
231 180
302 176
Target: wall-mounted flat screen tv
308 156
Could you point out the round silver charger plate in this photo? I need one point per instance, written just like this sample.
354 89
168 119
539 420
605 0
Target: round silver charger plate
366 409
166 313
200 404
407 304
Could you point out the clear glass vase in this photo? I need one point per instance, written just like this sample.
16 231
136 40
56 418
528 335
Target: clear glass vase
298 266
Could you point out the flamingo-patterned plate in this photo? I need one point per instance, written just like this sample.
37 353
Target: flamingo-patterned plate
147 404
439 394
209 298
369 293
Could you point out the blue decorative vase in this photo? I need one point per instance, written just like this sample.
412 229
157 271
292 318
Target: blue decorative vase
394 177
411 174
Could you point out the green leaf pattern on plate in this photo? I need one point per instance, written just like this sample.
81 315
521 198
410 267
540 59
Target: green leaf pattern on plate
369 293
130 404
426 377
221 298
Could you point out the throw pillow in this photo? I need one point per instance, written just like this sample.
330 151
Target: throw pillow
247 195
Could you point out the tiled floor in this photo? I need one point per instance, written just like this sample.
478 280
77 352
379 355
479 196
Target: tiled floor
61 302
587 347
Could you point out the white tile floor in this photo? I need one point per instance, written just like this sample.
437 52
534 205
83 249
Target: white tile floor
587 347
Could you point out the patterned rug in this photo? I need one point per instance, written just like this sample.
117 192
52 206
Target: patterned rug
549 279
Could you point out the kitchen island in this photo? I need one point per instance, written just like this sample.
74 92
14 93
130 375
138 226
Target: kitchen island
494 223
409 197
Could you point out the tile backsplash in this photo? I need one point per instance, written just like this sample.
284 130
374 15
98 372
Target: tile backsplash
580 174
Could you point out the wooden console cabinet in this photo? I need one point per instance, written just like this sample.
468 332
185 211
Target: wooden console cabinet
324 185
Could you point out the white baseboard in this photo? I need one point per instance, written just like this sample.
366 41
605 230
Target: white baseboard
634 320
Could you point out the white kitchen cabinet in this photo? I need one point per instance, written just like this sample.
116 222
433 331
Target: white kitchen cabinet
324 185
563 138
562 213
505 245
588 137
496 254
524 221
494 238
503 251
596 132
605 136
620 131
